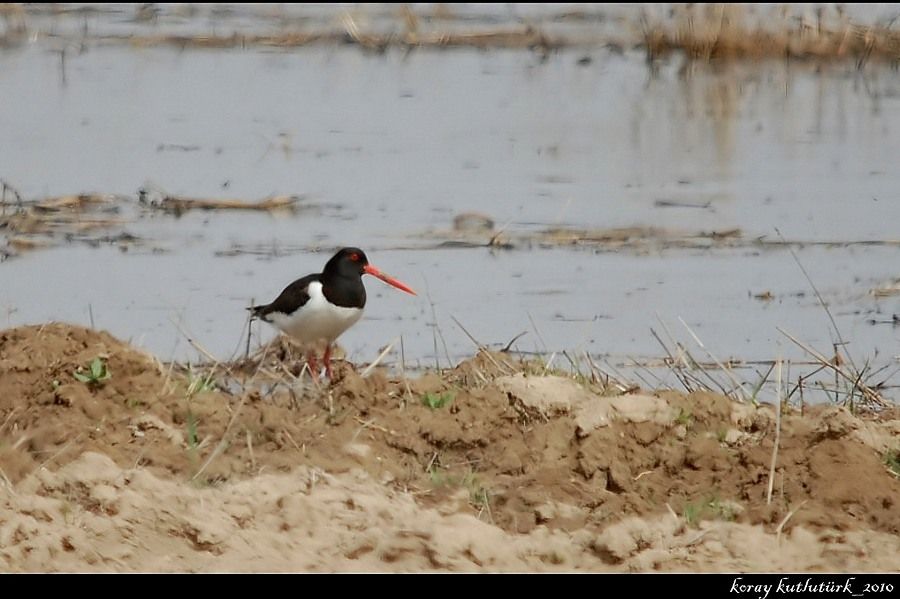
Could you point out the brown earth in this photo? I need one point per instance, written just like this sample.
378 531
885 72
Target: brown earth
151 471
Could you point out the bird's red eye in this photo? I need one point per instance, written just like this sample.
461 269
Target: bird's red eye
354 257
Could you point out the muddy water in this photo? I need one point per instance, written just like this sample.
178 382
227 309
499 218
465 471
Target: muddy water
387 147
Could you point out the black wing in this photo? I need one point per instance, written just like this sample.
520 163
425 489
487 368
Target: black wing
293 297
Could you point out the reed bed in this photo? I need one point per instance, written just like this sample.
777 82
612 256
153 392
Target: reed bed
719 31
738 32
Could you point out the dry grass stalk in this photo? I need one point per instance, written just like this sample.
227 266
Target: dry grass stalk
684 362
180 205
621 381
72 201
777 431
604 379
249 438
196 345
6 188
657 383
370 424
380 357
6 483
738 385
786 518
8 418
61 450
870 395
223 443
673 364
482 349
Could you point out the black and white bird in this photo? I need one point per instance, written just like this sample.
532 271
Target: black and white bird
318 308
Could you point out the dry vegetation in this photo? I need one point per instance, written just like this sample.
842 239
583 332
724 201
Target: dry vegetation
97 218
733 31
699 31
112 461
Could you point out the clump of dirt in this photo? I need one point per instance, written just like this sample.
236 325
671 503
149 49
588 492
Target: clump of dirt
600 479
92 515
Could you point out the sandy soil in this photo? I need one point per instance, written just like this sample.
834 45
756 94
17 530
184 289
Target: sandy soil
517 472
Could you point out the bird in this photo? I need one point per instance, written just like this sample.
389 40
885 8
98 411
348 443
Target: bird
318 308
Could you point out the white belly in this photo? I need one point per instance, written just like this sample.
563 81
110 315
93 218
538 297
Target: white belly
318 320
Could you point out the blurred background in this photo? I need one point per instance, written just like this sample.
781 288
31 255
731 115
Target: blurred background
579 173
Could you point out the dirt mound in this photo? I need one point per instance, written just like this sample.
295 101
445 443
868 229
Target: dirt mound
92 515
571 477
307 520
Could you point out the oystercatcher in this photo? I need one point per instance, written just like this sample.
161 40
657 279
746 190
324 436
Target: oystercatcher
318 308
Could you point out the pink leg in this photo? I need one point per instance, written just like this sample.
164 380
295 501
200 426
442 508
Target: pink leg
313 365
327 360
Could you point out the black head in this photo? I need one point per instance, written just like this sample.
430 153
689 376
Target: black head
348 262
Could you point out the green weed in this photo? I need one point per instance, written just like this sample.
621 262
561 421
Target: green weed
96 375
684 418
710 507
199 384
892 461
435 401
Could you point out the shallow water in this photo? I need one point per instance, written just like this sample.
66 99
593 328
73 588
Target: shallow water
389 147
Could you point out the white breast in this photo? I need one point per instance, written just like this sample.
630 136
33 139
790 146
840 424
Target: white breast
318 320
